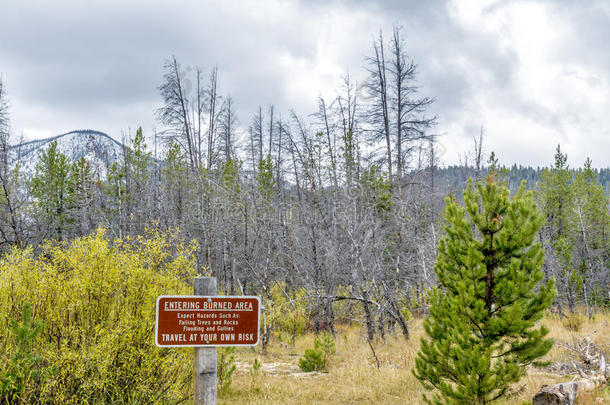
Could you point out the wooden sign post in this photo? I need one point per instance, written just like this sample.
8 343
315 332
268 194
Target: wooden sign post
204 358
204 321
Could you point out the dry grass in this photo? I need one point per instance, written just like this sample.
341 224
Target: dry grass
353 377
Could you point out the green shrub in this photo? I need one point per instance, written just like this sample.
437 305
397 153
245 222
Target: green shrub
23 368
325 342
313 360
256 367
316 359
96 300
226 367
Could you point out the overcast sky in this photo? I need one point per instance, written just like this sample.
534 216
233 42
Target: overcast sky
533 73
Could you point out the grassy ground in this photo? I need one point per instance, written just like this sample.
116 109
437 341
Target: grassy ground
353 377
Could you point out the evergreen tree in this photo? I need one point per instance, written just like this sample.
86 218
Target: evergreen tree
557 202
138 176
175 184
481 329
265 180
376 191
556 195
589 228
52 186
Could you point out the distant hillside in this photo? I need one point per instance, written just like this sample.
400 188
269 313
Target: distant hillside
98 148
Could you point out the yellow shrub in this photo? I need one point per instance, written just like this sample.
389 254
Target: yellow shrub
96 298
287 311
573 323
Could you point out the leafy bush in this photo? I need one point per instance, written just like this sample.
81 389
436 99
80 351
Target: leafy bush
96 299
23 368
313 360
287 312
225 367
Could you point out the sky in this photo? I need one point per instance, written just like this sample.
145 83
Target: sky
533 73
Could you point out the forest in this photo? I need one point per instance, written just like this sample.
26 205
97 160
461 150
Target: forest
333 218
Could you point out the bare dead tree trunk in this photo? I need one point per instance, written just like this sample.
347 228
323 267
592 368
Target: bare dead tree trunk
175 112
366 305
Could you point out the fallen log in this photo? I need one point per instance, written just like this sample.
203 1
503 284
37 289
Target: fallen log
565 393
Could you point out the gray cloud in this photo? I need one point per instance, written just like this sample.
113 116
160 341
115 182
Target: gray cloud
98 64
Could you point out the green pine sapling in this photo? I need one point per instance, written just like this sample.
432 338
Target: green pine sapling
481 331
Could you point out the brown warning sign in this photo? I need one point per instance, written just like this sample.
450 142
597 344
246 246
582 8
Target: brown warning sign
207 321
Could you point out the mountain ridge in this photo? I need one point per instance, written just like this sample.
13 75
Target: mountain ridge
98 148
